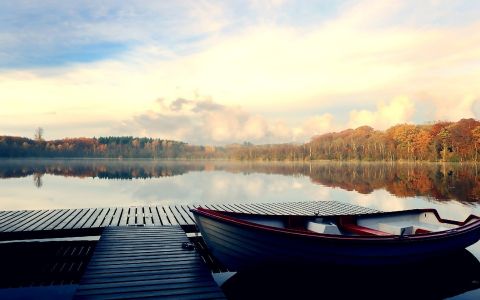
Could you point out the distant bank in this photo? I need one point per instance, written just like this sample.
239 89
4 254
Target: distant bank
440 141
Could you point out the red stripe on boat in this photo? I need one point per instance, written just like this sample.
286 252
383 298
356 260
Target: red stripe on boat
363 230
422 231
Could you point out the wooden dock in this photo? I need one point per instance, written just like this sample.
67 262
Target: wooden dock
140 253
146 262
25 224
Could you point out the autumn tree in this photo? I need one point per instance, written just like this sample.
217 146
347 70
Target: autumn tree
444 136
476 140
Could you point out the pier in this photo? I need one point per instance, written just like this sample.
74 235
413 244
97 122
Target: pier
124 252
146 262
28 224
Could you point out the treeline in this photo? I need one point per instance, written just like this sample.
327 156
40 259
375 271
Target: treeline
441 141
103 147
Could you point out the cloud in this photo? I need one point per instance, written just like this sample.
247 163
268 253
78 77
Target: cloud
268 69
313 126
207 122
456 109
399 110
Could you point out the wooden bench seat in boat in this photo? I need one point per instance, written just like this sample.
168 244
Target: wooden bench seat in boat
319 227
404 228
348 223
353 228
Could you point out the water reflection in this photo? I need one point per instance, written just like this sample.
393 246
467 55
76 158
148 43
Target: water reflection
437 279
437 182
37 179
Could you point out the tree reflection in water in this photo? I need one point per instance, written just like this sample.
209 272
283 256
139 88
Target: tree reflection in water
37 179
439 278
435 181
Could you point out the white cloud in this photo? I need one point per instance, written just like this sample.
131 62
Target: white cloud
313 126
456 109
207 122
399 110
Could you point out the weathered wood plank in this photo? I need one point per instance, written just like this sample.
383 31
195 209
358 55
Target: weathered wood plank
279 209
148 216
55 223
13 216
41 220
16 221
68 219
155 217
185 215
124 217
177 215
294 208
170 271
93 218
163 215
247 208
186 208
59 216
80 218
132 216
85 218
100 218
116 216
170 216
229 207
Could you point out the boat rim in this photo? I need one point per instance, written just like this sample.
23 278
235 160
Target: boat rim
463 228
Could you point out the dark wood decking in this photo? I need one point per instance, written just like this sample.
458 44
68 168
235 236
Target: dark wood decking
146 262
33 263
70 222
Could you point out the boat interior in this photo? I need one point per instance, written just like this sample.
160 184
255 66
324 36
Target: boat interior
414 222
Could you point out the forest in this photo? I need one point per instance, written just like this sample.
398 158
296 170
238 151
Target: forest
439 141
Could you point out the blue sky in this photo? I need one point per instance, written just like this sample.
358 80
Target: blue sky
277 70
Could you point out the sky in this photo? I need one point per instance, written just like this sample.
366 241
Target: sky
219 72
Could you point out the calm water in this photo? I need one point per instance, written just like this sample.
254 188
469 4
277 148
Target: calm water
453 189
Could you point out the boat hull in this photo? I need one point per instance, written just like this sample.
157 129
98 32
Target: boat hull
244 247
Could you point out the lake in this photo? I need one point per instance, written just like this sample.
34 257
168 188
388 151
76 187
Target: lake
453 189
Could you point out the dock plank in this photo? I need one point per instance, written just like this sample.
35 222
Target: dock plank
89 218
63 223
124 216
76 219
38 222
163 215
132 216
13 216
148 217
100 218
170 216
168 271
56 222
186 208
84 218
116 216
59 216
177 215
188 219
15 221
93 218
155 217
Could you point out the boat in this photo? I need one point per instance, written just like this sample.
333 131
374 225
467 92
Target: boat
247 241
